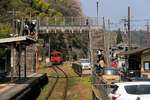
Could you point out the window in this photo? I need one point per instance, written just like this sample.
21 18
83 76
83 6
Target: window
146 65
110 71
131 89
84 61
138 89
55 55
114 89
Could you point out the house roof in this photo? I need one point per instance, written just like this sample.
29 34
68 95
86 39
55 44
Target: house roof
126 45
135 51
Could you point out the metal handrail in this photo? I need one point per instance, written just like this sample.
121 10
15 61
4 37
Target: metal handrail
68 21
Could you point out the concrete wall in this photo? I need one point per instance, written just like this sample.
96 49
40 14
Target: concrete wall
30 58
145 57
30 61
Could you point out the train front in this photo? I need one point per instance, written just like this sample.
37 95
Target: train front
56 57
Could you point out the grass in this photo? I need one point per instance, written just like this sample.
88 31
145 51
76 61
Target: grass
79 88
86 81
45 90
80 84
71 82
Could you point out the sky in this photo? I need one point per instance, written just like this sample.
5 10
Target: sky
117 9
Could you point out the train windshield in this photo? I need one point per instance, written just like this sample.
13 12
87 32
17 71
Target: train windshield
55 55
84 60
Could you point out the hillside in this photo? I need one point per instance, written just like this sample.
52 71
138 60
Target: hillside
17 9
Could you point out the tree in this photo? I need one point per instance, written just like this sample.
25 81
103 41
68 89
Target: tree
5 30
43 9
3 6
71 8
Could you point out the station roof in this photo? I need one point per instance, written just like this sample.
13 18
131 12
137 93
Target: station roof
135 51
20 39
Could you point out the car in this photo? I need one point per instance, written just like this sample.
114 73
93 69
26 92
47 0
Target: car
129 75
85 64
110 71
110 75
130 91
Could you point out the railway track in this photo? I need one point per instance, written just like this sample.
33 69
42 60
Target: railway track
58 78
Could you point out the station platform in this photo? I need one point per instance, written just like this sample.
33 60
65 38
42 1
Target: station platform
23 89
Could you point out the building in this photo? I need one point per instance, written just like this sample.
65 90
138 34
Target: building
138 60
20 61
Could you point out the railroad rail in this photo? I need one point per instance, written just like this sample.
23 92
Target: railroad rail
57 78
53 86
66 86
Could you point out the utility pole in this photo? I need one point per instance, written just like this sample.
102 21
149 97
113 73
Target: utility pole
97 11
147 25
30 17
109 42
103 23
106 43
13 12
49 46
129 33
13 21
49 40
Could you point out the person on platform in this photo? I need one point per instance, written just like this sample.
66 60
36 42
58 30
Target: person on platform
32 27
26 29
100 65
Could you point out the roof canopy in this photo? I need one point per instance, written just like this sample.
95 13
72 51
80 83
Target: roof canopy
135 51
25 40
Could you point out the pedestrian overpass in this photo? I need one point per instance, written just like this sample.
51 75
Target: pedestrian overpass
68 25
75 25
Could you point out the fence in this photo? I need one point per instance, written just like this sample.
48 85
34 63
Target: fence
68 21
102 87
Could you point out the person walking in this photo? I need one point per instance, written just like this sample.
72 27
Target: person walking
99 69
114 63
102 61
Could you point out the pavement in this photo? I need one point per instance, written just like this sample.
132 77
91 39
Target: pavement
17 89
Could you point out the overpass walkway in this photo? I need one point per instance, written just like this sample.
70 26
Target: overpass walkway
68 25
